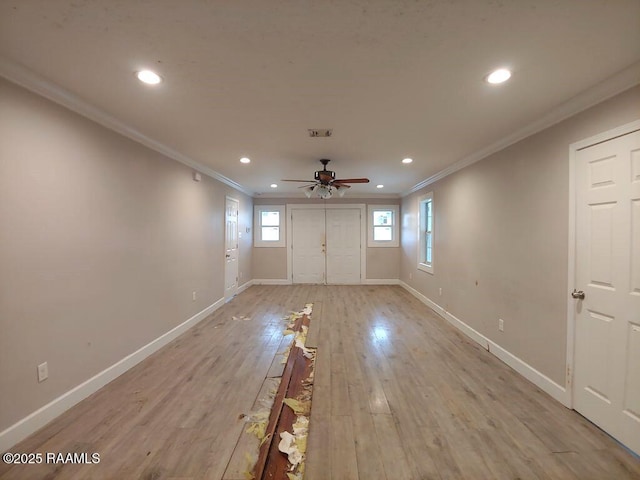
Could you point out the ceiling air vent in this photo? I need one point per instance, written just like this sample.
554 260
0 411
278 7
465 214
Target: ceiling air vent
319 132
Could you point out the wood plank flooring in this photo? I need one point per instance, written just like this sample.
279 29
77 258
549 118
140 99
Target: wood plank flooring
398 394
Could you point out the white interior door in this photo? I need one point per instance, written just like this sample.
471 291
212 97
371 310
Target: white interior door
343 246
607 328
308 245
231 249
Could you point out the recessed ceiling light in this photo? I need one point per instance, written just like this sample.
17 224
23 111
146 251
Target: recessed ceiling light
407 160
380 186
148 77
499 76
274 185
245 160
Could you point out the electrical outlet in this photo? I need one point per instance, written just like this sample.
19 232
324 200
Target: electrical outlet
194 296
501 325
43 372
440 291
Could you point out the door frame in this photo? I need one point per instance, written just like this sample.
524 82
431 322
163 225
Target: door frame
314 206
571 277
226 296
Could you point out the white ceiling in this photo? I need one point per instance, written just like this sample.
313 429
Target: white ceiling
392 78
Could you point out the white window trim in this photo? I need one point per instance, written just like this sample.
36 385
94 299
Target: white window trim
395 235
422 263
257 214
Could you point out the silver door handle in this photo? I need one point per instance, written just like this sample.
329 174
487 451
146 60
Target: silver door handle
577 294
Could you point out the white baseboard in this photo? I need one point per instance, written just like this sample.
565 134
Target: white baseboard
36 420
456 322
284 281
271 281
381 281
244 286
540 380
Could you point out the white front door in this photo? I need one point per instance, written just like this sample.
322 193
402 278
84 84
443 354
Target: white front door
231 249
308 245
607 328
343 246
325 245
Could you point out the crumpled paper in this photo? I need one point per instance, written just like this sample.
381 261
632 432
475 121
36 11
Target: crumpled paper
300 340
295 445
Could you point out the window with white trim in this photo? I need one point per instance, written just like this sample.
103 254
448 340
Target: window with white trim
269 226
383 226
425 233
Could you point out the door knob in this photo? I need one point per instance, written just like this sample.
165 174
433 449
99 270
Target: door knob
577 294
228 256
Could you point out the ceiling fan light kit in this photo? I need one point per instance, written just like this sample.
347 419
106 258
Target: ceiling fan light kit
324 191
324 183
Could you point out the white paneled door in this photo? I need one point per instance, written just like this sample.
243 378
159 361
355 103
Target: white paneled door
231 249
607 329
308 245
326 246
343 246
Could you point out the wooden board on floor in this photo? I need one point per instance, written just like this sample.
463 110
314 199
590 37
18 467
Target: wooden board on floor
315 325
248 443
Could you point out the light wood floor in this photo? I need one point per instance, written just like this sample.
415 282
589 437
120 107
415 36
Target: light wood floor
399 394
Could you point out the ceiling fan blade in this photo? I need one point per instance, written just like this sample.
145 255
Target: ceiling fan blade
351 180
306 181
308 185
340 185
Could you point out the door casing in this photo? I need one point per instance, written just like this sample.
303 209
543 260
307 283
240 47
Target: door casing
231 260
571 277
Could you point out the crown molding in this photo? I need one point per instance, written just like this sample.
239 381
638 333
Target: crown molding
610 87
618 83
24 77
347 196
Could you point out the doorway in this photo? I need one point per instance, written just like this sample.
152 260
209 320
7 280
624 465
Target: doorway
231 248
605 302
327 244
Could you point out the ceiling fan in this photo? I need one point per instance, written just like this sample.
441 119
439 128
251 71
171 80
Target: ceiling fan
324 182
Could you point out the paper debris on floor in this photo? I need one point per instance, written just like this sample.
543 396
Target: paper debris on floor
294 445
257 423
240 317
251 461
298 407
300 340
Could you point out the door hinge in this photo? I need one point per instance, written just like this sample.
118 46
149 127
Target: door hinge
569 379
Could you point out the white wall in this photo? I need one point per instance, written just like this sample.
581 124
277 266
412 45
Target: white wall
501 239
102 242
270 263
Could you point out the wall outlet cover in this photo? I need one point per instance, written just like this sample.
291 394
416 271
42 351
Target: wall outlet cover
43 372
